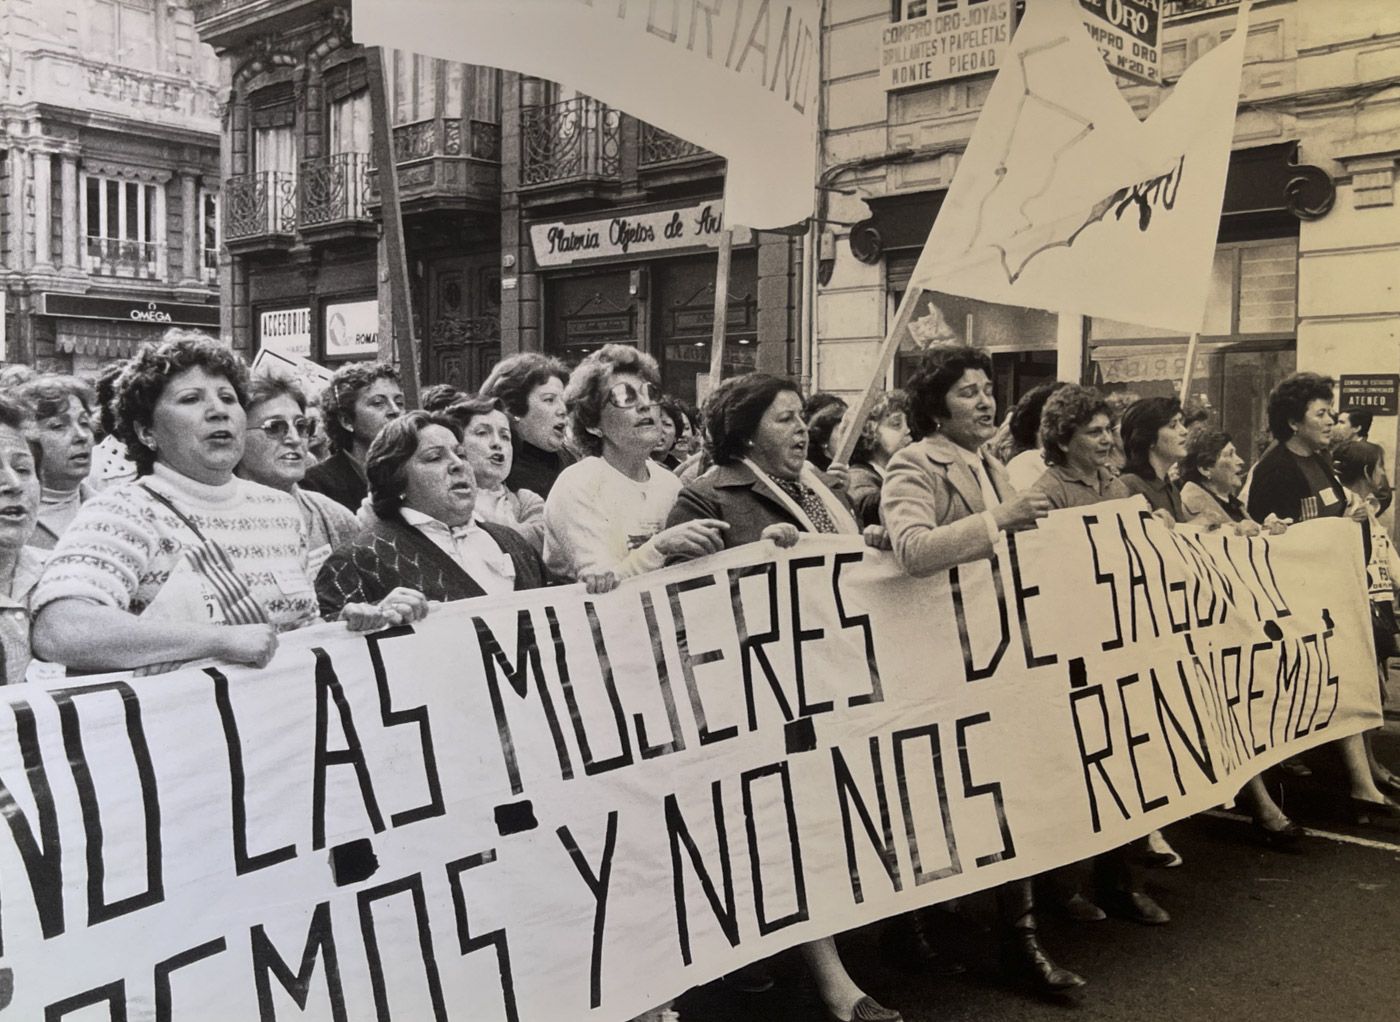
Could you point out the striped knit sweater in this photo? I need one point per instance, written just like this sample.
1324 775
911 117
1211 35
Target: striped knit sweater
124 544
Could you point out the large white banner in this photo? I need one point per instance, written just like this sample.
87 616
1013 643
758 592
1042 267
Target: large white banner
1065 201
555 807
740 79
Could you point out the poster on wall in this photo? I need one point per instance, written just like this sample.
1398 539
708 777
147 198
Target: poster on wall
286 331
937 45
1128 35
352 329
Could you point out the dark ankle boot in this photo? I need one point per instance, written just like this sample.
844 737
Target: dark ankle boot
908 944
1022 957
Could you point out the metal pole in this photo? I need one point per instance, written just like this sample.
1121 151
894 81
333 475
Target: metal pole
726 246
1190 367
897 331
401 316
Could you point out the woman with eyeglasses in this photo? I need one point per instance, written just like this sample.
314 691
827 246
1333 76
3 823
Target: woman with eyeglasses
604 518
275 454
187 561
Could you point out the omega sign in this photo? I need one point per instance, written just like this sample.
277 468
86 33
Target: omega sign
151 314
630 234
56 303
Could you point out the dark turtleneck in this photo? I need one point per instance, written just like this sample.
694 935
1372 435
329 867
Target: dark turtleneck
535 469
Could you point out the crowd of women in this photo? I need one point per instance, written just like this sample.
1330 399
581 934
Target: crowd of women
181 510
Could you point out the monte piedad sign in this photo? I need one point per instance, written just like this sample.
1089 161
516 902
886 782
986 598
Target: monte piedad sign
949 43
1128 34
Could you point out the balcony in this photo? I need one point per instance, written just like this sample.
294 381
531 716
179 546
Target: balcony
333 196
125 257
260 210
572 148
446 163
666 161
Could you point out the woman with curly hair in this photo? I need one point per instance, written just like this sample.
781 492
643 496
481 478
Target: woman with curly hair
355 405
187 561
604 518
487 445
884 434
62 407
530 386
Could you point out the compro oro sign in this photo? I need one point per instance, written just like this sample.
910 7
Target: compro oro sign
352 329
1128 35
949 41
286 331
630 234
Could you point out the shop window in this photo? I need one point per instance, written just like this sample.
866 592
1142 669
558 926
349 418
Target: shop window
124 221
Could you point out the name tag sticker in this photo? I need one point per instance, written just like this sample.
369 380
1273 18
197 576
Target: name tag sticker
1329 497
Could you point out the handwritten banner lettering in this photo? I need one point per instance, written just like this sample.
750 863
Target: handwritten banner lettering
561 807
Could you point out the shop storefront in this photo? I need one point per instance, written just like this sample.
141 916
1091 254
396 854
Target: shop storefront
93 331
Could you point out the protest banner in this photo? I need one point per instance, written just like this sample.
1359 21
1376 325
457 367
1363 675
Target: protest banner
739 79
1064 196
557 807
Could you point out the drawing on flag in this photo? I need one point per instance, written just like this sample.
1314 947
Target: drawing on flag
739 79
1065 201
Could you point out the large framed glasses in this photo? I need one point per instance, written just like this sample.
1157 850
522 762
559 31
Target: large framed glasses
627 395
277 429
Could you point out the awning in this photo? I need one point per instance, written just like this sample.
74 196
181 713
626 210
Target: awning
99 338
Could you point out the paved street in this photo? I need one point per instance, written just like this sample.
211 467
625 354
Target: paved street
1255 935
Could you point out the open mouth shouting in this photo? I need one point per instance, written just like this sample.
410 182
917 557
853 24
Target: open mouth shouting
15 514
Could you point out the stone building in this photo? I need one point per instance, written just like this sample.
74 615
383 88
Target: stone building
1308 253
110 178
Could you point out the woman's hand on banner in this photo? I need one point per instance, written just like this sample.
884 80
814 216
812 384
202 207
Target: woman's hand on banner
783 534
1165 517
403 606
598 582
1276 526
253 645
690 540
877 537
1022 512
1247 528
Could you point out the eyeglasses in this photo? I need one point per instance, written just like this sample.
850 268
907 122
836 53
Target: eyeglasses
627 395
277 429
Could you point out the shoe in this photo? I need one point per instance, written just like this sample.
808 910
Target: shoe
1155 851
907 945
867 1009
1081 909
1390 784
1026 963
1135 907
1295 768
754 978
1279 839
1364 811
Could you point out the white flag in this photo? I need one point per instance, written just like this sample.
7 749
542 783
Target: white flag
739 79
1065 201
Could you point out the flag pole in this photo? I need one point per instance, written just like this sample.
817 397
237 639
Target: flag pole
893 338
726 246
391 214
1190 367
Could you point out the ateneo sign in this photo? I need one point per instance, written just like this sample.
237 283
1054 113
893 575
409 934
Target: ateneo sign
964 40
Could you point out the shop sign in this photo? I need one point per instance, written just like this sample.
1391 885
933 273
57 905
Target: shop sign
1375 392
286 332
54 303
352 329
1128 35
967 39
629 234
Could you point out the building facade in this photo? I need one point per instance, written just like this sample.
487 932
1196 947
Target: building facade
1308 253
110 178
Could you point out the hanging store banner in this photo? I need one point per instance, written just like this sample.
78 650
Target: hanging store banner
1065 201
738 79
953 42
562 242
1128 34
518 810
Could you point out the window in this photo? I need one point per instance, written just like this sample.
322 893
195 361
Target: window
122 31
210 236
274 149
125 223
414 93
349 123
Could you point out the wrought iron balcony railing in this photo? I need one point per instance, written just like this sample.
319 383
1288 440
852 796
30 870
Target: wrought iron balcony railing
578 139
659 147
420 140
124 257
259 205
333 189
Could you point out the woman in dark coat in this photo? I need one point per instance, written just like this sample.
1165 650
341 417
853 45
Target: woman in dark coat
426 544
1154 440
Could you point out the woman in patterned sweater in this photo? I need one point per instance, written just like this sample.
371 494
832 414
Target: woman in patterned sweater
187 561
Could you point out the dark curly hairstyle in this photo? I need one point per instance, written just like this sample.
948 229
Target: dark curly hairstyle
1067 409
20 418
514 379
1356 459
386 464
1203 450
587 391
1025 416
938 371
149 372
48 395
1288 402
465 409
1141 423
107 397
733 411
339 397
885 405
439 396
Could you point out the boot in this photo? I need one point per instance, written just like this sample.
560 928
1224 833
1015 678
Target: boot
908 944
1117 889
1022 957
